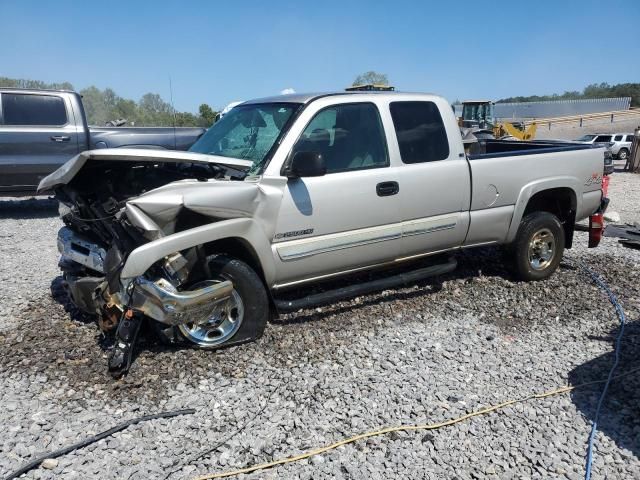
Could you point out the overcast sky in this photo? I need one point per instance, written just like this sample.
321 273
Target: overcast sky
218 52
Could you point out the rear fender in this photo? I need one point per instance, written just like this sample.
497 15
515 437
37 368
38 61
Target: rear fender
530 189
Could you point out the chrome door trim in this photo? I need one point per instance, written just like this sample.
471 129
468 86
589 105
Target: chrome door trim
421 226
306 247
337 241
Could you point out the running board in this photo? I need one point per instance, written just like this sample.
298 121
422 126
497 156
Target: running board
329 296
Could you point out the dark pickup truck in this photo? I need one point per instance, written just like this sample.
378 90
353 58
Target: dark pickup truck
42 129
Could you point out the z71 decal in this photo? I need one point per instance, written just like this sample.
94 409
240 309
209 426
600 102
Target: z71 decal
595 179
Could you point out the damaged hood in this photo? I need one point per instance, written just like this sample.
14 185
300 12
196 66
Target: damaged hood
66 172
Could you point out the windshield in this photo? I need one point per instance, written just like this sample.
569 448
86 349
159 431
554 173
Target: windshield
247 132
586 138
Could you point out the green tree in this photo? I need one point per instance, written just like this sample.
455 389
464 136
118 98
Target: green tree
153 104
153 110
24 83
207 115
595 90
102 106
186 119
95 106
126 109
371 77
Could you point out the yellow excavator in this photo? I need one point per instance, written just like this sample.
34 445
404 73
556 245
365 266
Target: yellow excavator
478 116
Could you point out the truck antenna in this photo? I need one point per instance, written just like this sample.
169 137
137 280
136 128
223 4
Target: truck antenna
173 115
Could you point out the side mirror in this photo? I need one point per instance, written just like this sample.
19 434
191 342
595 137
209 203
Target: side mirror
305 164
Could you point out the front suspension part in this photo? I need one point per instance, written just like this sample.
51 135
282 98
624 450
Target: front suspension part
126 337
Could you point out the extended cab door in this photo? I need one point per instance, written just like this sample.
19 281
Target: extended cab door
37 135
434 177
350 217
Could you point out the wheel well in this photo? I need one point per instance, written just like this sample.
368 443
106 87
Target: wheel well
559 201
237 248
242 250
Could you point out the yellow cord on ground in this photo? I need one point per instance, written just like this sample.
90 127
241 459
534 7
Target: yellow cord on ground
400 428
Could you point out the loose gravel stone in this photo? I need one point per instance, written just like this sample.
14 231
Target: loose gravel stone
49 463
419 354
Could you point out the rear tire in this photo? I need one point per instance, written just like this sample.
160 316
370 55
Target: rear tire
623 154
538 247
242 318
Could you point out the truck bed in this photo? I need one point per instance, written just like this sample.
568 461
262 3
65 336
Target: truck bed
508 174
180 138
504 148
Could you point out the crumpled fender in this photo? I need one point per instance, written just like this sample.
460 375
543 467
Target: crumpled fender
247 229
243 210
157 210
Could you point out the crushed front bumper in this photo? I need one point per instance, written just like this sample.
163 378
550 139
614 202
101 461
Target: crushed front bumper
162 302
158 299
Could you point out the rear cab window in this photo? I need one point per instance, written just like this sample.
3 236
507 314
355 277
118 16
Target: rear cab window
629 138
617 138
21 109
420 131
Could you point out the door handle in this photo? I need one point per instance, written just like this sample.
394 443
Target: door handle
386 189
60 138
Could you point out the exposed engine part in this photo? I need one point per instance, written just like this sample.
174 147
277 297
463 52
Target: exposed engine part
175 266
84 291
81 250
111 314
161 301
113 263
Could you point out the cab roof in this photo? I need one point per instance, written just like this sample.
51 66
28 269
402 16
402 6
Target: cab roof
310 97
36 90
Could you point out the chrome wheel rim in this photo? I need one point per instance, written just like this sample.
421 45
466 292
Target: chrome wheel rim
220 325
542 248
622 155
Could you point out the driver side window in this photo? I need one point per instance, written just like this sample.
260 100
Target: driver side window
348 136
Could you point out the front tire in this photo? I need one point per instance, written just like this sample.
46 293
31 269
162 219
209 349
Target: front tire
538 247
242 318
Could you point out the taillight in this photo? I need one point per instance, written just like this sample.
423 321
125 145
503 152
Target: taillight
605 185
596 227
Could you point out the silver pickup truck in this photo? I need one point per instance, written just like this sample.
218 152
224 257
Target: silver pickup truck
42 129
289 191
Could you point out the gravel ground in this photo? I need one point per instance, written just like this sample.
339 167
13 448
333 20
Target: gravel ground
625 195
421 354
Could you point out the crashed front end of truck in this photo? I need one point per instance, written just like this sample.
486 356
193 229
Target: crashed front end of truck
115 202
